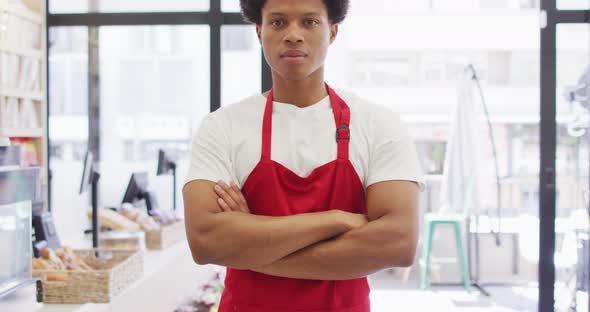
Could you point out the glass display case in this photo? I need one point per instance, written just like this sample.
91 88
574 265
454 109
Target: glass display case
19 188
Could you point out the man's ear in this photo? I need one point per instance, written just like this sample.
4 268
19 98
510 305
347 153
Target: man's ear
258 30
333 32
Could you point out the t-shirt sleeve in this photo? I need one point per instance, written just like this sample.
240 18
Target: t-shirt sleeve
393 153
210 152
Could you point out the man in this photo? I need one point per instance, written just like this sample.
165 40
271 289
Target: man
300 192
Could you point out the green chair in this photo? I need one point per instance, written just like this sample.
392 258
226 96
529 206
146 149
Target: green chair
457 220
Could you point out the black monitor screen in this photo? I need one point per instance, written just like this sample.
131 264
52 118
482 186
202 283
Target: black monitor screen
136 188
162 163
165 164
86 173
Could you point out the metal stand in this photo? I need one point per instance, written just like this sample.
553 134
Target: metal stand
174 187
475 280
94 200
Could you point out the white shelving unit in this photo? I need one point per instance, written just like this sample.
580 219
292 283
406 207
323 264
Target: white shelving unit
36 96
22 52
24 12
22 37
22 133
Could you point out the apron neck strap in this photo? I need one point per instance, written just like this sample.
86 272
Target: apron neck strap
267 127
341 118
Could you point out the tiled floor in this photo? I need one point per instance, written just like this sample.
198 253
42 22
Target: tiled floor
445 299
388 294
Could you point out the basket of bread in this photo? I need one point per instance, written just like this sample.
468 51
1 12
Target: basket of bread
165 236
83 276
162 229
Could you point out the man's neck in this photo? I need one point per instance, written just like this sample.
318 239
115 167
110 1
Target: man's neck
301 93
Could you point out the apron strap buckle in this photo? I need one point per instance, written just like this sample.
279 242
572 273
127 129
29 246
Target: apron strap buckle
345 131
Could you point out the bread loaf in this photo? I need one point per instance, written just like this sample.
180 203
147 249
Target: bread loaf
148 223
77 260
59 260
131 213
114 220
54 261
41 264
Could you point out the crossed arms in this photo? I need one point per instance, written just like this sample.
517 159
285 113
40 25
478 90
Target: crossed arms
329 245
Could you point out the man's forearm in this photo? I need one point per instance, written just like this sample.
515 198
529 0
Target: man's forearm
240 240
354 254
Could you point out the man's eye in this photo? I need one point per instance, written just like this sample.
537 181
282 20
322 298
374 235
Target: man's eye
278 23
311 22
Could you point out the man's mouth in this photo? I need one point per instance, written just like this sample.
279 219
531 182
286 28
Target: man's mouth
294 56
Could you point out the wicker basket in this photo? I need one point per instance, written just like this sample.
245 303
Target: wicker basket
165 236
115 270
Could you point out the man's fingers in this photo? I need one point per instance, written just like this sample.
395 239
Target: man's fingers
240 197
235 193
222 193
230 192
238 192
223 205
232 196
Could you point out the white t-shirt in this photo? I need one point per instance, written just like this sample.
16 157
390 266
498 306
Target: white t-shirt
227 146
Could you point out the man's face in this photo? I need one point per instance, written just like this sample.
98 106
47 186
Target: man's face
295 36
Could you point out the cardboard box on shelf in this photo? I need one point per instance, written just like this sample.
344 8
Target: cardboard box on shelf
29 152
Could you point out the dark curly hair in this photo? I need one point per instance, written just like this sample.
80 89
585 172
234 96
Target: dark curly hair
252 10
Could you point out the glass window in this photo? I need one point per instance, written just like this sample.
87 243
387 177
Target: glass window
230 5
485 5
572 160
68 125
240 63
417 72
154 83
573 4
389 7
83 6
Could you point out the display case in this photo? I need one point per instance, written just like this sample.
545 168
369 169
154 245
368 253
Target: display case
18 190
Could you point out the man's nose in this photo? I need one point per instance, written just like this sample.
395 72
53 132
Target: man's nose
294 34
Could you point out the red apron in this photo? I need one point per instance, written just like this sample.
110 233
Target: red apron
273 190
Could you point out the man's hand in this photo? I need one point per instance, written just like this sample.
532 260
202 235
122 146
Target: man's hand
357 220
230 197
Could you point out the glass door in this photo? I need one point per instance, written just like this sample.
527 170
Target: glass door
565 156
571 161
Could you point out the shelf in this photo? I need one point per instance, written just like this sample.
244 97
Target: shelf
21 133
36 96
22 11
38 54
